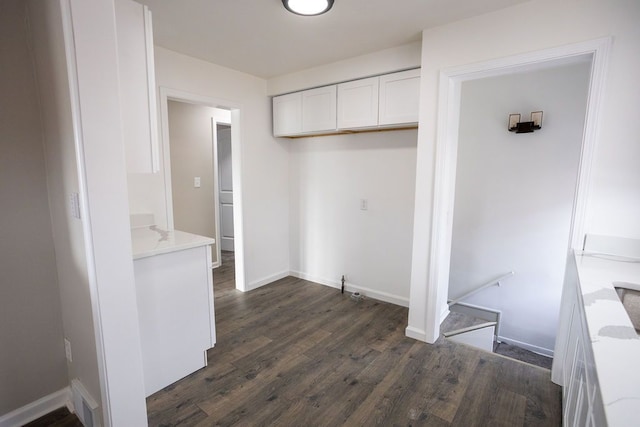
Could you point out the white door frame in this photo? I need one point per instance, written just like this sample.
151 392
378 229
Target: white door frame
451 80
167 94
216 194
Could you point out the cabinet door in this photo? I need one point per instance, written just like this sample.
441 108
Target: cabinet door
399 98
358 103
175 312
137 86
319 109
287 114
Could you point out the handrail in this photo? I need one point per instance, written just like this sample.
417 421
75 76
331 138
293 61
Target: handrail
478 289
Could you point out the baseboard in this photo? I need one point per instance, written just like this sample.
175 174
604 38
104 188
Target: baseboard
86 408
415 333
40 407
367 292
259 283
534 348
444 314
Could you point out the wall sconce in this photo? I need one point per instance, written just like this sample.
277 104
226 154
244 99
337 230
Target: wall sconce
515 125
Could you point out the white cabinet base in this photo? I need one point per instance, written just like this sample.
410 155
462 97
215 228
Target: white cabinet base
175 309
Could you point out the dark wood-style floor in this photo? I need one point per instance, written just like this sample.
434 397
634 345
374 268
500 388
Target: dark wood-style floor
294 353
59 418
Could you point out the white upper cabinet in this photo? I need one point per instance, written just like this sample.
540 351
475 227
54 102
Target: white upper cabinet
319 109
287 114
399 98
386 101
306 112
358 103
137 86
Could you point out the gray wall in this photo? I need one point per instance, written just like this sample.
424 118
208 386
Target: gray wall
190 133
514 196
32 361
62 178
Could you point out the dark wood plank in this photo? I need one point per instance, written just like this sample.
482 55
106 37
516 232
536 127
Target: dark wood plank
61 417
298 353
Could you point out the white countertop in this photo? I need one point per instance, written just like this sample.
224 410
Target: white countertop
615 343
152 240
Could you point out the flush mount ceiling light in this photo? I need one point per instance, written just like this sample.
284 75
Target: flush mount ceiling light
308 7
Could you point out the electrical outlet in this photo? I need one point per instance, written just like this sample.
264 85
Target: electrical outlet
196 182
67 350
74 200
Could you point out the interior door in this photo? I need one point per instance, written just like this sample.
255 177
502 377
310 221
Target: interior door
225 183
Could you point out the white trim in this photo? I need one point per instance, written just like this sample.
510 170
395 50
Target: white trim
416 334
350 287
238 205
265 281
236 156
534 348
216 190
211 300
82 399
445 313
446 152
151 87
38 408
78 139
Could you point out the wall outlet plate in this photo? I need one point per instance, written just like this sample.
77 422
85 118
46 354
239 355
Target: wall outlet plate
67 350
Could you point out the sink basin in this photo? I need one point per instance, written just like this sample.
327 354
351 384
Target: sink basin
629 294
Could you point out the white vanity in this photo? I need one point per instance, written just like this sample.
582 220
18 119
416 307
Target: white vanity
173 276
174 287
597 350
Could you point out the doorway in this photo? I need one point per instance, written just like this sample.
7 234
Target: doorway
195 177
513 197
437 286
191 172
224 167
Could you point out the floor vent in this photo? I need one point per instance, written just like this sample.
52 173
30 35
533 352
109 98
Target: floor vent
85 407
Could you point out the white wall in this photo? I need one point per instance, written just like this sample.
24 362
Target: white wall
381 62
514 197
614 205
331 235
32 361
265 161
62 178
99 141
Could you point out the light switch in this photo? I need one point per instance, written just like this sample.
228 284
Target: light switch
196 182
364 204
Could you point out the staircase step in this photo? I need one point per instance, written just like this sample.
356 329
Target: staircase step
456 321
455 332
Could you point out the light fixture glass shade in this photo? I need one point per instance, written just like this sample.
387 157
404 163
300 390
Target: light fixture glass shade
308 7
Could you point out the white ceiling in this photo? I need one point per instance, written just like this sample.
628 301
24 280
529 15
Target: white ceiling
260 37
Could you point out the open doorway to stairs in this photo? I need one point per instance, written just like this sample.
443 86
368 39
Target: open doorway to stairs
201 150
451 81
514 196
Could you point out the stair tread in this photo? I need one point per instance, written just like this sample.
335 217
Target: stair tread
456 321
